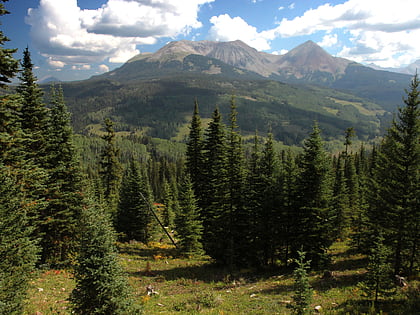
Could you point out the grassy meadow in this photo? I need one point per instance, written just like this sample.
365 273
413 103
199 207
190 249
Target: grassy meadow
183 285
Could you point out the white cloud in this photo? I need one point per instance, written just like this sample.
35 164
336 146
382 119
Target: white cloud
81 67
226 28
281 8
329 40
384 32
65 33
103 68
291 6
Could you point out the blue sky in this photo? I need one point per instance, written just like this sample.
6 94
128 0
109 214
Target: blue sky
75 39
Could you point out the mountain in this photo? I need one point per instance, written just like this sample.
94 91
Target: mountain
153 94
411 69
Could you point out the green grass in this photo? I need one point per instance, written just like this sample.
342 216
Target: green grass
194 286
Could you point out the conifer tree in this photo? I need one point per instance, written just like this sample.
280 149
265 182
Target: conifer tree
110 169
18 250
8 65
64 184
101 285
134 218
33 111
341 202
236 217
189 227
379 271
270 210
314 196
169 200
215 191
194 155
302 296
395 210
254 199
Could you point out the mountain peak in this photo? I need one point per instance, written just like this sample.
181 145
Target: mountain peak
309 57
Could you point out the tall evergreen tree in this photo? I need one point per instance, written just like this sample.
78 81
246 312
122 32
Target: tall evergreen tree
64 185
314 196
236 212
395 211
18 250
110 169
101 286
270 209
33 111
8 65
194 155
134 218
215 191
189 227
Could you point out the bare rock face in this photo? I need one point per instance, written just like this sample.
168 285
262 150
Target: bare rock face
299 62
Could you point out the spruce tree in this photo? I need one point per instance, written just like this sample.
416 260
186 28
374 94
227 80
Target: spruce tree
64 184
302 296
395 209
314 196
379 271
33 111
18 250
236 216
134 219
110 169
101 285
189 227
8 65
215 191
270 209
194 155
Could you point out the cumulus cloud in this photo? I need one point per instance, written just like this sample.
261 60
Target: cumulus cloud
383 32
226 28
103 68
329 40
64 33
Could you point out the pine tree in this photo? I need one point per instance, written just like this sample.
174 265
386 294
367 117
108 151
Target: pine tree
194 155
33 111
110 169
18 250
314 196
64 185
395 209
134 218
379 271
270 209
302 296
341 203
101 286
8 65
189 227
215 191
236 215
169 200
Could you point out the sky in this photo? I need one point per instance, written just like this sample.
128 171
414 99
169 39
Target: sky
75 39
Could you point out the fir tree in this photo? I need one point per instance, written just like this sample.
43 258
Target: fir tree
194 155
101 286
215 191
236 213
314 196
110 169
302 296
169 200
64 185
8 65
379 271
189 227
33 111
394 208
134 218
18 251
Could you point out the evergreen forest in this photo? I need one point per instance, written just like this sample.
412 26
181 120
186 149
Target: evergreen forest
76 202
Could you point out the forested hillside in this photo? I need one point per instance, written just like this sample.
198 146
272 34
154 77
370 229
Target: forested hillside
70 202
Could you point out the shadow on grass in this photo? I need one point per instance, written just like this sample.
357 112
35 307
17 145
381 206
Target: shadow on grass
390 307
349 264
